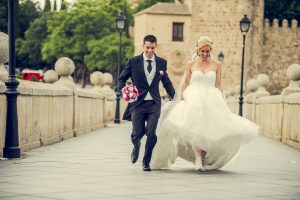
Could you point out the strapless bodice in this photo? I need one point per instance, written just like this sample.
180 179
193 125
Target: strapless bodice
204 79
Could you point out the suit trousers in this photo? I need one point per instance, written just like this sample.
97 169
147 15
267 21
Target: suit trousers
144 121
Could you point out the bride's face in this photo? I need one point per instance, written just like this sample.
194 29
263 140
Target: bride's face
204 52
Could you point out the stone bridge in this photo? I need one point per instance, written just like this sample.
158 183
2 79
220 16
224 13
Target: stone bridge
77 153
97 166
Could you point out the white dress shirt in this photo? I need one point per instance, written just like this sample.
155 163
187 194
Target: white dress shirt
149 76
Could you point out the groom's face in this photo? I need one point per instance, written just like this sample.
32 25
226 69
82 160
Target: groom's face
149 49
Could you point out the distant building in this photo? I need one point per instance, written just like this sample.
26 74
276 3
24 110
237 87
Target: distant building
178 26
270 48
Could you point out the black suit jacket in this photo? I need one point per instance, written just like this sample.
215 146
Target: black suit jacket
135 70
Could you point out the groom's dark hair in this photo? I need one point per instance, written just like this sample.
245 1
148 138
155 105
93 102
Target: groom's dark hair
150 38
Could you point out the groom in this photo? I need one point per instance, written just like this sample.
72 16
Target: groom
145 71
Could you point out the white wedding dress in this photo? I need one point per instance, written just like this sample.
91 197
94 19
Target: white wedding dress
202 120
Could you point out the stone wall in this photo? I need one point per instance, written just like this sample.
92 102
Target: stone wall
219 20
176 53
50 113
57 110
281 48
277 115
2 116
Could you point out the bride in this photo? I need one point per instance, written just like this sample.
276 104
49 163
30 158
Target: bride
198 125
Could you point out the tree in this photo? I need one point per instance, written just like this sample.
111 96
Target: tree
27 14
47 7
3 16
114 7
29 49
143 4
70 31
282 9
104 52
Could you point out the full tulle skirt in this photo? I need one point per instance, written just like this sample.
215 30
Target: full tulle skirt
201 121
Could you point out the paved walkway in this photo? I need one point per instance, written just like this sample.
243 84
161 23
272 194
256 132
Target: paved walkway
97 166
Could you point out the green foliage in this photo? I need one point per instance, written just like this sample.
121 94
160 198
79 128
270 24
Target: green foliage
47 7
29 49
3 16
104 52
75 33
143 4
71 30
114 7
19 76
26 15
282 9
32 78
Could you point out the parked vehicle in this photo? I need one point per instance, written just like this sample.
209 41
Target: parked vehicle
33 75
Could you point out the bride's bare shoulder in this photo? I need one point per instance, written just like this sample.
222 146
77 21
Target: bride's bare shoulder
191 63
216 63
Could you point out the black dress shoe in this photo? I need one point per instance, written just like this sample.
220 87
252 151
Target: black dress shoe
135 152
146 167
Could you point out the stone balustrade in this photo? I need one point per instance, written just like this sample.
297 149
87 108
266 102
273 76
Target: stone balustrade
231 99
56 110
277 115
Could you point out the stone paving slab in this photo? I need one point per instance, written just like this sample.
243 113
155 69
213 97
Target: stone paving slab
97 166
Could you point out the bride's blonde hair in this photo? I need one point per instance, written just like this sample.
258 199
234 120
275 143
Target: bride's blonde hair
202 42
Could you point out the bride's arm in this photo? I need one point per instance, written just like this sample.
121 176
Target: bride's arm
218 78
187 76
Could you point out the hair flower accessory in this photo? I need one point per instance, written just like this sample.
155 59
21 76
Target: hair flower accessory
203 41
130 93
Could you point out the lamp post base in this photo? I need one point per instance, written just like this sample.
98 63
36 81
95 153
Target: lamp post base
117 121
117 114
11 152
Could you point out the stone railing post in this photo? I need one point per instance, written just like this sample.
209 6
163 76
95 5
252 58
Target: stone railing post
268 110
3 77
291 108
293 74
237 89
263 81
3 57
50 76
252 87
96 80
231 101
109 105
64 68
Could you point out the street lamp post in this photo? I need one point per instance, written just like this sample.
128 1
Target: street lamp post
11 148
120 22
244 25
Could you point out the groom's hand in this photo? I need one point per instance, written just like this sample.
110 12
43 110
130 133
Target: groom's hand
118 91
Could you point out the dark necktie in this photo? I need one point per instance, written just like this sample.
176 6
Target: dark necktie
149 67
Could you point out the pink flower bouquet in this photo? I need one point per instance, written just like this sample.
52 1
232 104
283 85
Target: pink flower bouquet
130 93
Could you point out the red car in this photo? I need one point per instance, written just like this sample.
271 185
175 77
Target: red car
27 74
